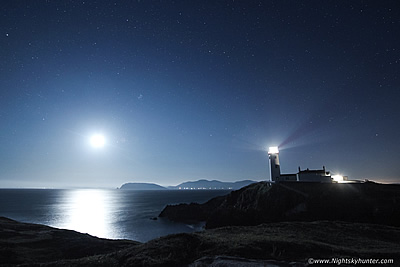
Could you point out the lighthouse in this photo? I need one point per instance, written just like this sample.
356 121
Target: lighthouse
273 153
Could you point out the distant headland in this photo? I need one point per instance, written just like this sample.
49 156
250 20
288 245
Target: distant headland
142 186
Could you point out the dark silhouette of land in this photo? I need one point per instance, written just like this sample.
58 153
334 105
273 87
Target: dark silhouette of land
294 201
142 186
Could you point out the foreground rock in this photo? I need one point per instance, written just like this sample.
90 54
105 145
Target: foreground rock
31 243
281 244
262 202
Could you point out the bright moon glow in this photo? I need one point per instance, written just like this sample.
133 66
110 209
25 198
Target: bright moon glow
97 140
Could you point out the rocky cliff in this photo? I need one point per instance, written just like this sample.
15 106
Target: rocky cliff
262 202
26 243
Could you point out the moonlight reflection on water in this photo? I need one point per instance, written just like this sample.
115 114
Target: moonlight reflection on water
88 211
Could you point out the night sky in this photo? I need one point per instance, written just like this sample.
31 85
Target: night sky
187 90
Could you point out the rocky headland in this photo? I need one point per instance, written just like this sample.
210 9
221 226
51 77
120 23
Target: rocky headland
264 202
142 186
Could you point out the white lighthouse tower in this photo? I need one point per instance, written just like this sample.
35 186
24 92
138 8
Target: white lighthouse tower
273 153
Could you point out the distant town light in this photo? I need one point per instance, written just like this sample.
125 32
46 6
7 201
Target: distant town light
273 150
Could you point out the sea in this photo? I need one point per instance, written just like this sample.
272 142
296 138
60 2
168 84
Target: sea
105 213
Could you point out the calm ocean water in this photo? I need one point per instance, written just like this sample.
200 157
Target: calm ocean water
107 213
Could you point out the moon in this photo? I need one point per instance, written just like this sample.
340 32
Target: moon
97 140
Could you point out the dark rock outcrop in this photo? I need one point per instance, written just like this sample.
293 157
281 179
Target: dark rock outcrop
26 243
192 212
262 202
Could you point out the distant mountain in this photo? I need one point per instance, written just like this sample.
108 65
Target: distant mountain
142 186
214 184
